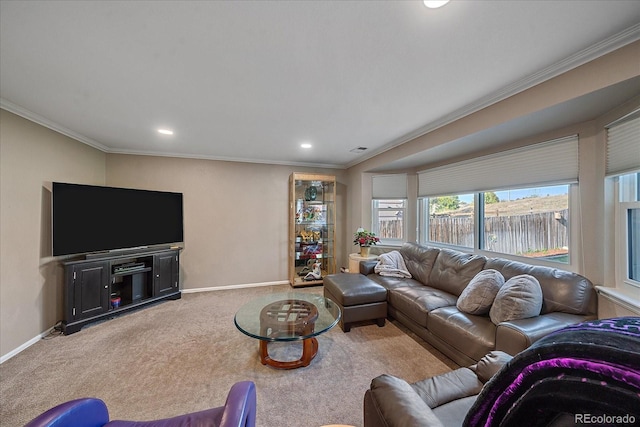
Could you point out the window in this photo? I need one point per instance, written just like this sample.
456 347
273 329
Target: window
623 166
388 207
528 226
388 220
448 219
529 222
628 235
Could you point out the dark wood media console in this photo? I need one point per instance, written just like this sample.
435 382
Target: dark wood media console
98 287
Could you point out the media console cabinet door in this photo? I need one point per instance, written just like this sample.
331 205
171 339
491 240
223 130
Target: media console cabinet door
165 270
90 289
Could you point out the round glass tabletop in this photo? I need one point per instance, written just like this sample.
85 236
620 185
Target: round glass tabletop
287 316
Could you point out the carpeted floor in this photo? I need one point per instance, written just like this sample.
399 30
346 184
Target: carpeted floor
182 356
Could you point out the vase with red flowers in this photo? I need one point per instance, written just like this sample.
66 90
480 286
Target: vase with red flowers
365 239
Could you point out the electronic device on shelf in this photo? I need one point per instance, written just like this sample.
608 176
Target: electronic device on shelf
125 268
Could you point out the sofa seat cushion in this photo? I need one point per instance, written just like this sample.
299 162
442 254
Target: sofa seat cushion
394 282
472 335
417 301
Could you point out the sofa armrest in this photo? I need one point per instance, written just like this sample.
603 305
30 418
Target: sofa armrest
516 335
367 267
240 406
490 364
392 402
239 410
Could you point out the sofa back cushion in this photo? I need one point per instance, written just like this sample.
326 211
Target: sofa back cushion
562 290
419 260
453 270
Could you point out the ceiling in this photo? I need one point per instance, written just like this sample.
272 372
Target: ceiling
250 81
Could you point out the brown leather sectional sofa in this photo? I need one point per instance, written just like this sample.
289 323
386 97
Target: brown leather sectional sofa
426 303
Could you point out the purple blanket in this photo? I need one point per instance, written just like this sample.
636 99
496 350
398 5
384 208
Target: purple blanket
585 374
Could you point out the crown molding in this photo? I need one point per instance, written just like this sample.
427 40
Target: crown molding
36 118
608 45
225 159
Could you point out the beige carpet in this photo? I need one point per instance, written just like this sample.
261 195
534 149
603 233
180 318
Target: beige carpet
182 356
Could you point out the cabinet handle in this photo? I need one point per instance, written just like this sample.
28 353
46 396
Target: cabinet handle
105 286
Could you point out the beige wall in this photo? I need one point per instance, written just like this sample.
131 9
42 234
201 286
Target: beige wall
236 214
31 157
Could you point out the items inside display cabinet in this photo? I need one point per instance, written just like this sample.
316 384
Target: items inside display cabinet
312 228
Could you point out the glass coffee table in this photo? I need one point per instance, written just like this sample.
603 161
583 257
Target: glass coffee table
288 316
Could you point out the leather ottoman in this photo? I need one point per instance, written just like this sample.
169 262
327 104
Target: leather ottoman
359 298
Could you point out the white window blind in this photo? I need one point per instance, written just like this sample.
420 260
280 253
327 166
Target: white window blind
389 186
623 145
551 162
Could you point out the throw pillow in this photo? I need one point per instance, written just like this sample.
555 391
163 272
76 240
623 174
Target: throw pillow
479 294
519 298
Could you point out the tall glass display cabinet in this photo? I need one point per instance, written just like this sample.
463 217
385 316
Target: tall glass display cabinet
312 219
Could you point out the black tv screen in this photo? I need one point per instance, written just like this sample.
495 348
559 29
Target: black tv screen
88 218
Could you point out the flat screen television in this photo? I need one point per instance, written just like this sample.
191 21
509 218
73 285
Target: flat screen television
89 218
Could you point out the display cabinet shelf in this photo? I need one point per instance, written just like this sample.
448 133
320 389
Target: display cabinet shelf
311 228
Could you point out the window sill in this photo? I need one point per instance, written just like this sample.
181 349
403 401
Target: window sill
627 299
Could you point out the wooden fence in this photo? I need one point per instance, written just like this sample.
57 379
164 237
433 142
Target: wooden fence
390 229
517 234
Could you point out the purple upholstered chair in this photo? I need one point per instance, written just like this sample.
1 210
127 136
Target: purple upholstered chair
238 411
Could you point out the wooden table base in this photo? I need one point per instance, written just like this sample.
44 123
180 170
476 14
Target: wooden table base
309 351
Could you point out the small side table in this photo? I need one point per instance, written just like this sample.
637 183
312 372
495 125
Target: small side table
354 261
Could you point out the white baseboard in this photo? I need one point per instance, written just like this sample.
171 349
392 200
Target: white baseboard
241 286
24 346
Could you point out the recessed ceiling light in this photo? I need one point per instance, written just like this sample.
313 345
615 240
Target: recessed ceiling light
434 4
165 131
305 145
